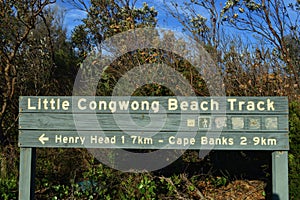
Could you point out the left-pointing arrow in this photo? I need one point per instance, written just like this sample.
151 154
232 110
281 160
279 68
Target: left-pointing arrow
43 139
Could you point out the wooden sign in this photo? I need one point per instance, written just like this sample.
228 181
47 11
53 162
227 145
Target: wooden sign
221 123
245 123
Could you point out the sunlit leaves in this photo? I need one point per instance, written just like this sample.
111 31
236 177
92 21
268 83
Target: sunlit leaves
198 24
231 5
107 18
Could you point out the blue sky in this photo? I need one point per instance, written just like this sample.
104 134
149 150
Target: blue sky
165 20
72 16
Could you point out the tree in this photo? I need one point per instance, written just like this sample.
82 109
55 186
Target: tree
107 18
65 58
17 20
293 46
190 15
271 20
51 63
81 41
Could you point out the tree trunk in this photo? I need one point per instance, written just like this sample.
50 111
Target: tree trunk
2 136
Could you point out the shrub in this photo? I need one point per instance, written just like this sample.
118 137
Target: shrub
294 153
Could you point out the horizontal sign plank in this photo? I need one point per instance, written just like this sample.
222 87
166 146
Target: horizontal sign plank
155 122
151 140
125 104
152 122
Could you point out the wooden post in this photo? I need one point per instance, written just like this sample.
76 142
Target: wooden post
27 173
280 180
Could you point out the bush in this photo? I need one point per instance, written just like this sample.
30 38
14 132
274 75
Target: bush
294 153
9 166
8 188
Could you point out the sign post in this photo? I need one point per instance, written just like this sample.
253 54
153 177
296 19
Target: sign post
280 173
231 123
27 173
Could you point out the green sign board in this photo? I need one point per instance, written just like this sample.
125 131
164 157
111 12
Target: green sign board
222 123
232 123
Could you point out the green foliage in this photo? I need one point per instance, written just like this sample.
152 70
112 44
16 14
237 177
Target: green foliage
8 173
8 188
198 24
101 182
107 18
293 45
45 62
219 181
80 40
294 153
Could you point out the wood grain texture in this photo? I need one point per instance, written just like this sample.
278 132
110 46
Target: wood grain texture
152 140
280 104
238 126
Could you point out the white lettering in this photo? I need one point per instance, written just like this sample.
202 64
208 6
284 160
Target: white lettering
39 104
171 140
231 105
69 140
184 105
241 103
181 141
251 106
270 105
103 140
145 105
45 102
134 105
29 105
224 141
82 139
214 105
123 105
112 106
93 105
65 105
202 105
80 107
93 139
194 105
204 140
259 105
172 104
58 139
102 105
155 106
65 140
52 103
